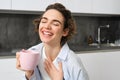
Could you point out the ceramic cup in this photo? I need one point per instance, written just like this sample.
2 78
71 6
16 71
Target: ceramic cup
29 59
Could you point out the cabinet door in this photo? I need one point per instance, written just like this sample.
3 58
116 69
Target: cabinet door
30 5
77 6
5 4
106 6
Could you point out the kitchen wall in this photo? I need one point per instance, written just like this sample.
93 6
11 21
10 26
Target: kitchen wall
17 31
86 26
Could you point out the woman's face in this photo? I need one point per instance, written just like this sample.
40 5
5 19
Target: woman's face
51 27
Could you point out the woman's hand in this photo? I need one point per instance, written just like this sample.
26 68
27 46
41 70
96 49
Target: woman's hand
28 73
53 72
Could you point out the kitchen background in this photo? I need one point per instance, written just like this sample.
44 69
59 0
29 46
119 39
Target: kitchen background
93 17
96 25
17 31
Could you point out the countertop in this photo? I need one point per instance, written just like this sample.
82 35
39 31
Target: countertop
80 50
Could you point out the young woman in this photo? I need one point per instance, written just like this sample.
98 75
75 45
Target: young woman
57 61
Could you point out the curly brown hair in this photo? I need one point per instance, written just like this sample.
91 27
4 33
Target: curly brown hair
69 22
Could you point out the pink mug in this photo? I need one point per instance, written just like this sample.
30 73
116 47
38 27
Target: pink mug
29 59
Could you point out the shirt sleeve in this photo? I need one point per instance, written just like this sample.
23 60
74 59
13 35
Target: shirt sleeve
80 72
31 78
81 75
37 74
76 70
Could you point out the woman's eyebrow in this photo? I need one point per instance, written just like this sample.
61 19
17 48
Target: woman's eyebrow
57 21
54 20
44 18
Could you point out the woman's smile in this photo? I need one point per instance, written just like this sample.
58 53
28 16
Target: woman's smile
47 33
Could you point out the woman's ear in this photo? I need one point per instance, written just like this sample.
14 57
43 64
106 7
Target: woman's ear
65 32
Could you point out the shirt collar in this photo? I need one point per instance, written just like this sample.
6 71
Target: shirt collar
63 52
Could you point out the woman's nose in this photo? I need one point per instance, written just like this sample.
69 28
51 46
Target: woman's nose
47 26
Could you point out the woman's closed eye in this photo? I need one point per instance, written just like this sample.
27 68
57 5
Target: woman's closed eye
56 23
43 21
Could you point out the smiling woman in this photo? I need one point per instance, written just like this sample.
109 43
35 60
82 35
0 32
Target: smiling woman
55 27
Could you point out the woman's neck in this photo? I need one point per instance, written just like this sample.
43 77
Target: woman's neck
52 51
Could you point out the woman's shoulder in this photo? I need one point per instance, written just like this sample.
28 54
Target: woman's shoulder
74 59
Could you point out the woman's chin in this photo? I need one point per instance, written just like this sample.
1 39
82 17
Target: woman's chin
45 41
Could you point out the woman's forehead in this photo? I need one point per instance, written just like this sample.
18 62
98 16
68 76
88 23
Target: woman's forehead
53 14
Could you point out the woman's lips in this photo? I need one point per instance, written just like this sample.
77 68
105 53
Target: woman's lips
47 33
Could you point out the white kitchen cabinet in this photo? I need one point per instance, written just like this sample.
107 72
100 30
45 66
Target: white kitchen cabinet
5 4
92 6
101 65
106 6
77 6
31 5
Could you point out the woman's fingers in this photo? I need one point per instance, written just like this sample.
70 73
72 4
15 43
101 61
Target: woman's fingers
18 66
17 60
54 72
60 65
51 63
60 69
48 66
